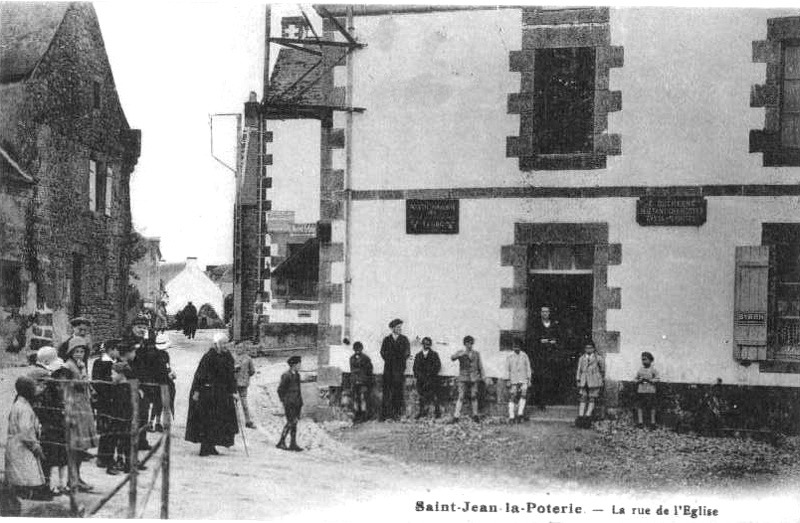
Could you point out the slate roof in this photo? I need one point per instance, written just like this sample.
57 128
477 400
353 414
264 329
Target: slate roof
167 271
302 264
287 81
26 30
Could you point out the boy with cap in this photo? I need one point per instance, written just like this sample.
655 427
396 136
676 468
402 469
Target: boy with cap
104 405
470 375
426 374
244 369
395 351
518 374
360 380
289 394
121 373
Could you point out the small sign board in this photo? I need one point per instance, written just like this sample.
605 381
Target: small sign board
431 216
671 211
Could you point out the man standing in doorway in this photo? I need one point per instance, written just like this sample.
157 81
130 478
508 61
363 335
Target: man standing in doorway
395 351
546 338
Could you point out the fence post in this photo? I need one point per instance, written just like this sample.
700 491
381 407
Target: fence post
69 424
133 460
167 413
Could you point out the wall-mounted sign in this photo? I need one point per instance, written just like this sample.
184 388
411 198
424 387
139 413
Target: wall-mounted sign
431 216
671 210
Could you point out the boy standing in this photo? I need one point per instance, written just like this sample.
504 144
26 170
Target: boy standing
646 378
244 370
518 374
470 375
105 404
590 376
289 394
360 380
426 373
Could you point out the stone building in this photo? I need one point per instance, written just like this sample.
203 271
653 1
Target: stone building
146 273
65 135
635 169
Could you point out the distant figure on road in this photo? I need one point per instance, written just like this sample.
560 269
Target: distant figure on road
290 396
395 351
426 373
212 413
189 318
360 381
161 318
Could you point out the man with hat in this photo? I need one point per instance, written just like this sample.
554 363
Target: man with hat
148 368
426 373
290 396
395 351
80 329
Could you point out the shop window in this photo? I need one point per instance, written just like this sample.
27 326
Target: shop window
11 288
564 100
767 297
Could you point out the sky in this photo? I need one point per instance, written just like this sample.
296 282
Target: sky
174 64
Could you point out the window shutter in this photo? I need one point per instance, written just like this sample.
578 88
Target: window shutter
109 189
92 185
751 303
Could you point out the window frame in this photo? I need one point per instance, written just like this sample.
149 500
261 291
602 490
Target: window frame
782 113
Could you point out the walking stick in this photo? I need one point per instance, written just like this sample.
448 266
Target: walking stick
239 416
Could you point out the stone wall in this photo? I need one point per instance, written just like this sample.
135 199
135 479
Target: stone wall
59 129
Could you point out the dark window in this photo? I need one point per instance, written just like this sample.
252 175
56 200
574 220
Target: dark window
564 100
101 180
790 95
96 94
784 289
10 284
75 291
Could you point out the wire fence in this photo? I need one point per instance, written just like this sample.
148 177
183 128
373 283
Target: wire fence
71 423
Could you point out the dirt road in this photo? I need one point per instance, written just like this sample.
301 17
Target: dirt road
332 482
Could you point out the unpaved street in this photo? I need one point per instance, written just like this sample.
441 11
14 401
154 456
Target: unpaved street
271 483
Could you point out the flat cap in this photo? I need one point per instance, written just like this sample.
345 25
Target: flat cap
80 320
293 360
395 322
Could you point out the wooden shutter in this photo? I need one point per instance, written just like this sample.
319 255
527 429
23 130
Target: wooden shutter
109 189
751 303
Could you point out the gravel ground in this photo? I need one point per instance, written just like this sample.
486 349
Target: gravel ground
612 454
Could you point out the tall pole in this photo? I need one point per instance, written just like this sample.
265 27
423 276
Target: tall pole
166 401
267 34
133 460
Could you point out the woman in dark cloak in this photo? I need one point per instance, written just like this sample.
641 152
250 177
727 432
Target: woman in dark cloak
212 415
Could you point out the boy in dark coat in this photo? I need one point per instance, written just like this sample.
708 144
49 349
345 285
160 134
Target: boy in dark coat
395 351
121 374
212 411
426 373
104 405
290 396
360 380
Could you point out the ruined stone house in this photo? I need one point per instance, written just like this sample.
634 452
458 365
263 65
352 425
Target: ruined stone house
67 156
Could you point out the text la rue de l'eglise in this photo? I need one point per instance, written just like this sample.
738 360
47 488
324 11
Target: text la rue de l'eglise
550 508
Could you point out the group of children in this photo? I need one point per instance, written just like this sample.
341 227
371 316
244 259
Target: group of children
59 414
589 377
